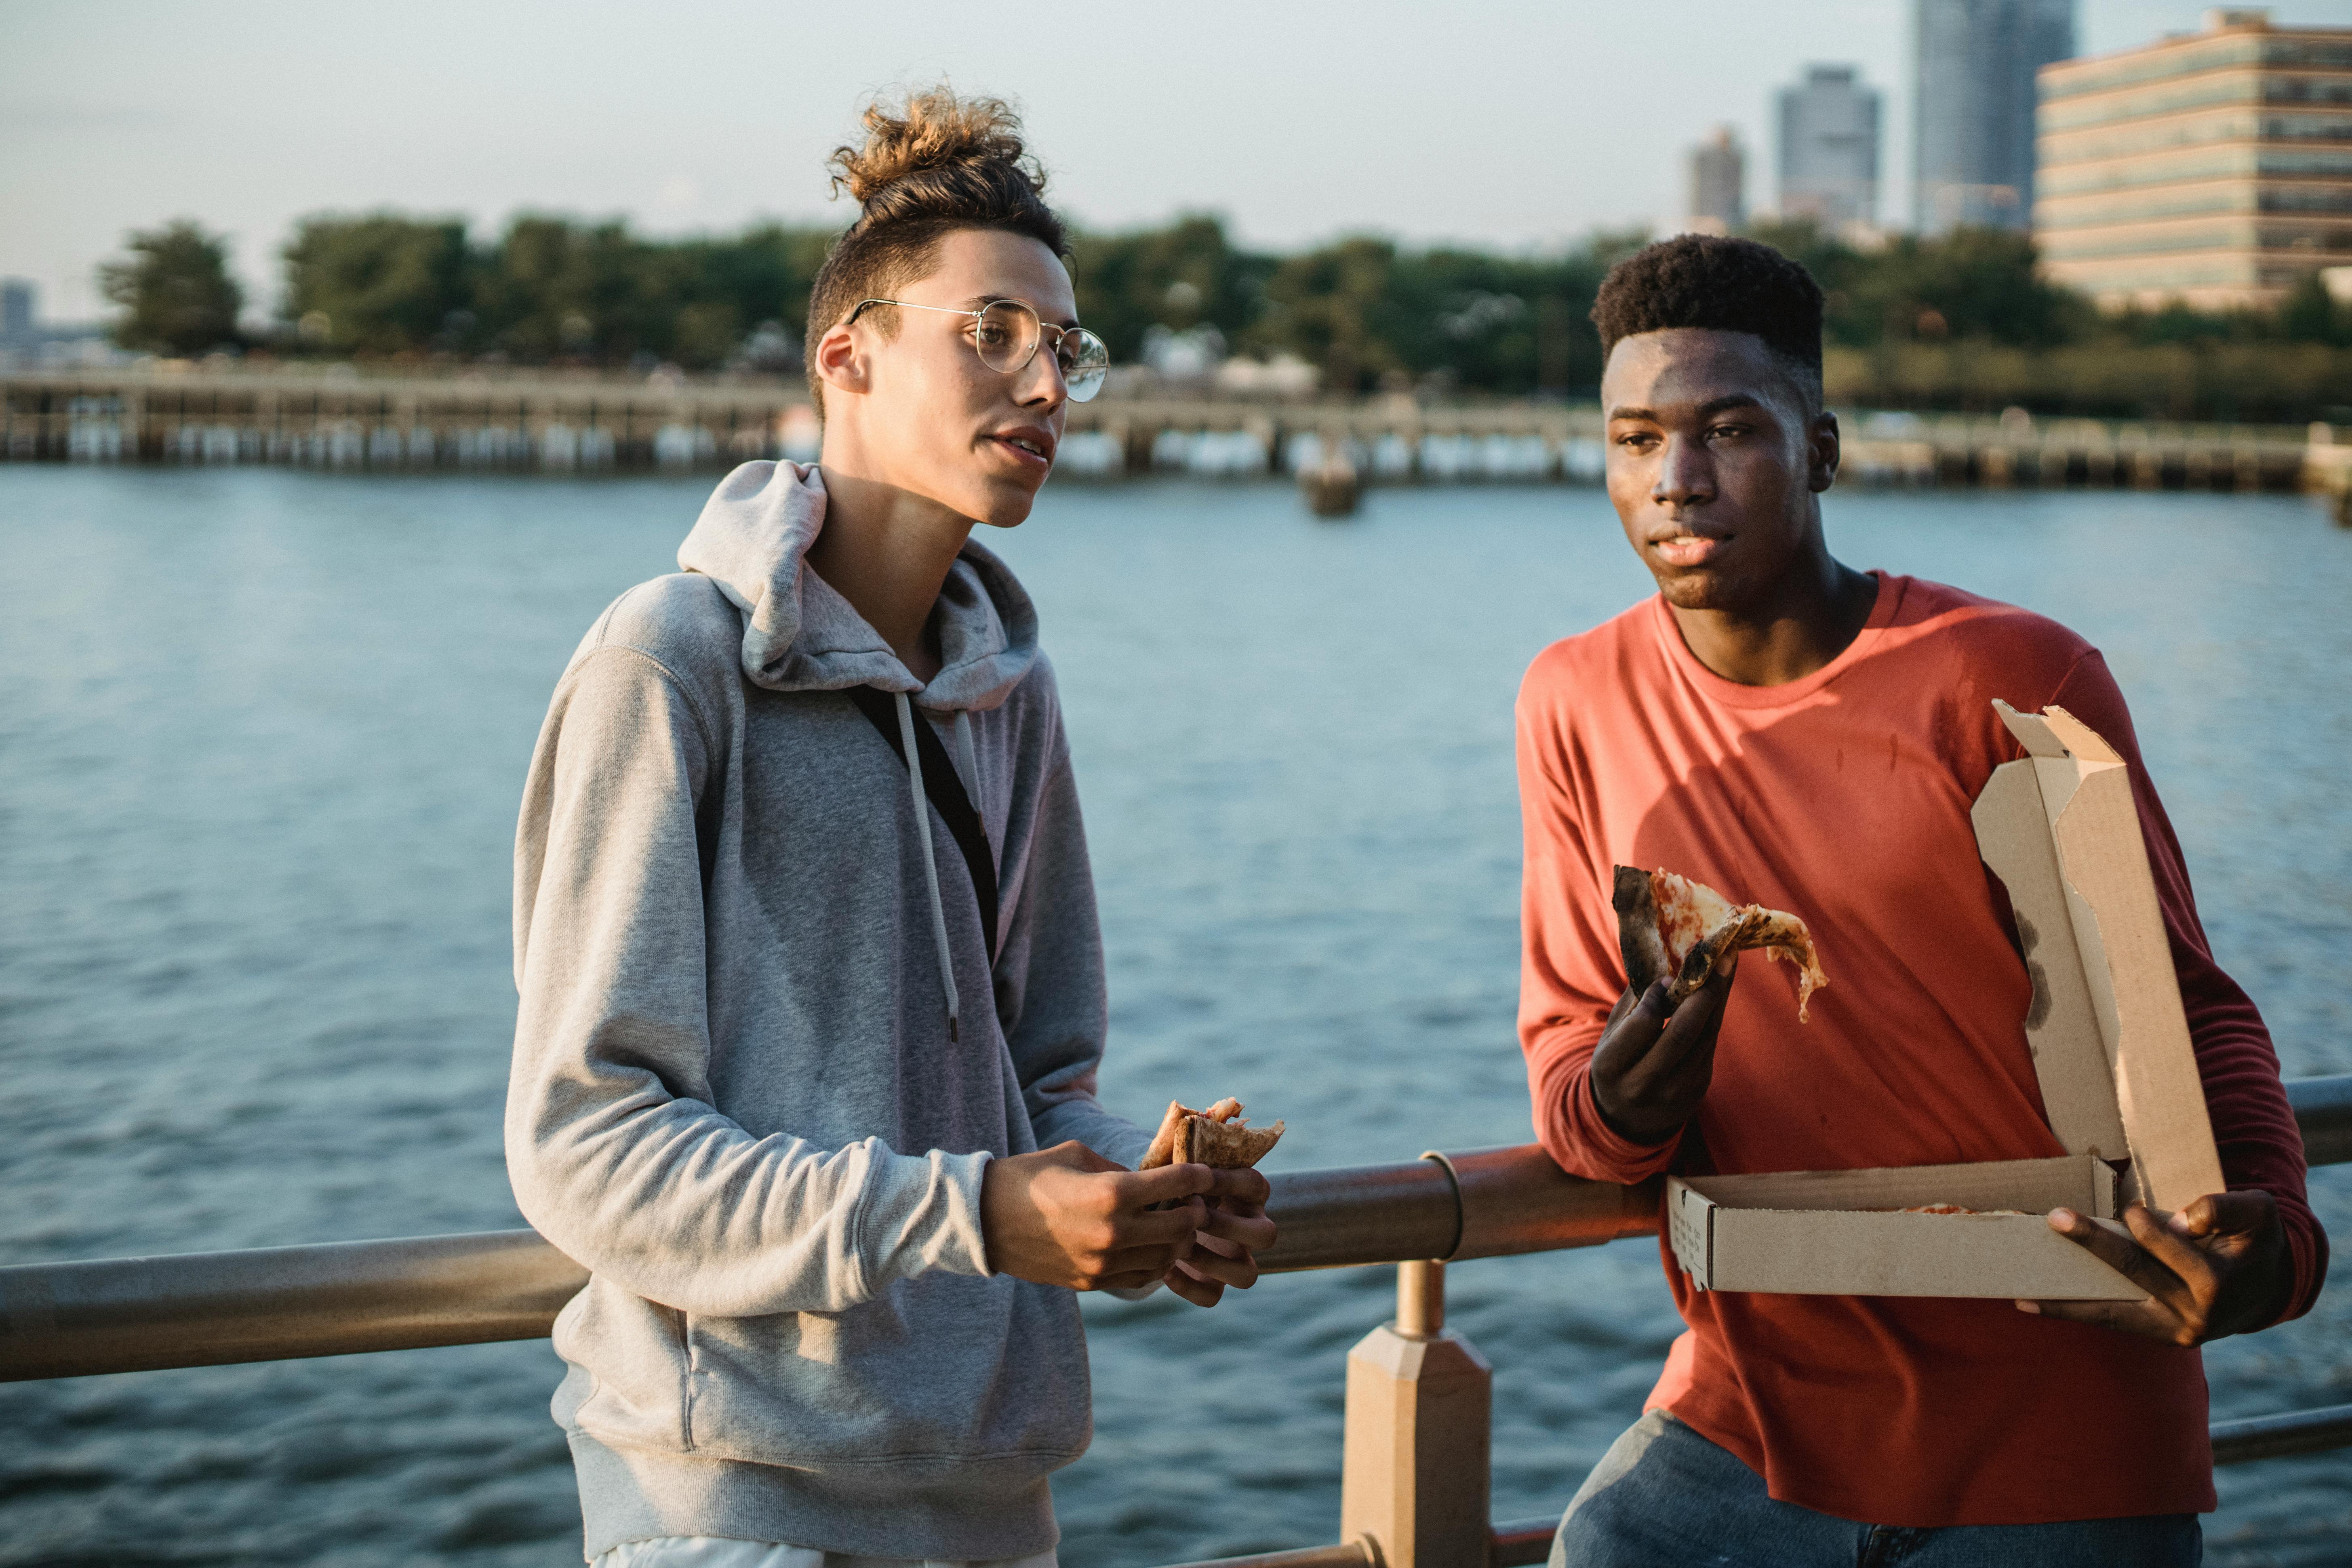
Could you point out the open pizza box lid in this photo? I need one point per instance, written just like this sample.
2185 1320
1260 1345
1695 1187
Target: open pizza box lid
2110 1046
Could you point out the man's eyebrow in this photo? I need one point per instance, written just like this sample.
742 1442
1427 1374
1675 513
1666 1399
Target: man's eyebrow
982 301
1708 410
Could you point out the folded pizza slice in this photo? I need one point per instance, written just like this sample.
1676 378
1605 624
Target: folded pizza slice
1220 1136
1671 927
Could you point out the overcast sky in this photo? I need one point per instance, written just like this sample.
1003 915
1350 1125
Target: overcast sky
1507 124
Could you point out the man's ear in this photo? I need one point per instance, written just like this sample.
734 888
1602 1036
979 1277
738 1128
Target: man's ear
841 362
1823 452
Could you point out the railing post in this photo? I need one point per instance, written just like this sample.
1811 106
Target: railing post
1420 1413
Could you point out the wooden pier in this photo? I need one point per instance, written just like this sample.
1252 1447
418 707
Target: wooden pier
337 418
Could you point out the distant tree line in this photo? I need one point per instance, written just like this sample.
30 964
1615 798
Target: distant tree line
1958 322
175 291
548 291
1964 323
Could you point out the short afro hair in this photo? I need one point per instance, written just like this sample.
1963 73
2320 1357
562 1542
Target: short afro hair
1721 284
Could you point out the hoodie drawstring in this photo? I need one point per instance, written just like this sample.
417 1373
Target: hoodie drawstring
969 763
931 861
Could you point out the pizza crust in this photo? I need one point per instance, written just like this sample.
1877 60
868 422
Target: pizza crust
1638 940
1218 1137
1669 926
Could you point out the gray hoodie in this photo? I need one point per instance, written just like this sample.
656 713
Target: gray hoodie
734 1098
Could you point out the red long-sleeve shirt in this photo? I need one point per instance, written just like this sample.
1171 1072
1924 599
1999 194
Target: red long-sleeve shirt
1844 797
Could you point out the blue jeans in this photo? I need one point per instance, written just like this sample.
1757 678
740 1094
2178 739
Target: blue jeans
1664 1497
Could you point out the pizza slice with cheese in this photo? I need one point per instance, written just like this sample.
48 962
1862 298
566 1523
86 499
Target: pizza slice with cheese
1671 927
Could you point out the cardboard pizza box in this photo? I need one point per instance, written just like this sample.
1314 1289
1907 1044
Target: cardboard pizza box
2110 1046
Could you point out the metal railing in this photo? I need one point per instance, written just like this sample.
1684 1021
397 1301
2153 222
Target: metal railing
282 1303
1409 1501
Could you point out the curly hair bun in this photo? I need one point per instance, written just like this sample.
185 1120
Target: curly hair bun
937 155
931 165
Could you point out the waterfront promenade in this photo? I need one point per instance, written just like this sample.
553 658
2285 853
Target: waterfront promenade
268 727
336 418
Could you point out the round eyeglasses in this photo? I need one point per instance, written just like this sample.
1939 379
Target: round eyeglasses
1006 335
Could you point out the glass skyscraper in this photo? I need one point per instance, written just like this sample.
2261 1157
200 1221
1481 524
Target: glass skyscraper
1718 185
1973 67
1829 148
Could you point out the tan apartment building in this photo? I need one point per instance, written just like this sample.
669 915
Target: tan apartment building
2212 167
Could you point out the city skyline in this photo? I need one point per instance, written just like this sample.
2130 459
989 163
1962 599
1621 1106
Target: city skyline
1521 126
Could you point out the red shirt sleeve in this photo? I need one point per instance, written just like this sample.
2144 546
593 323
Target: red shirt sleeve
2254 1126
1570 973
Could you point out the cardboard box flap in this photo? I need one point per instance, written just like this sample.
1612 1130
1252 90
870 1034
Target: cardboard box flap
2056 734
2106 1003
2062 1025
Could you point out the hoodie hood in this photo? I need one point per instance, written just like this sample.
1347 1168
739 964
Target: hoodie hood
799 635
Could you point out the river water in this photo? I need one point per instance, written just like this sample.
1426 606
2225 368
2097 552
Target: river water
261 739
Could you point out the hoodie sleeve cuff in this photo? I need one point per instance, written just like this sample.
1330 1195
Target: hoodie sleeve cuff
923 1215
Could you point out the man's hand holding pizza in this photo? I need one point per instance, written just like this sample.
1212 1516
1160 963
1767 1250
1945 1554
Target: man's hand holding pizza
2219 1266
1681 941
1067 1217
1656 1058
1225 1247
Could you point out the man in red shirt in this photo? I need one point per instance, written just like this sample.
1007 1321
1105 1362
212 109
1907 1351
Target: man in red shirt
1810 737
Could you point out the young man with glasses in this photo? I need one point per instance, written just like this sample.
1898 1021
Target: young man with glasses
812 991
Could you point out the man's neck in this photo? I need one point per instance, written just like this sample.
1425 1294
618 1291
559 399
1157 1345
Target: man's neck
1809 618
887 552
